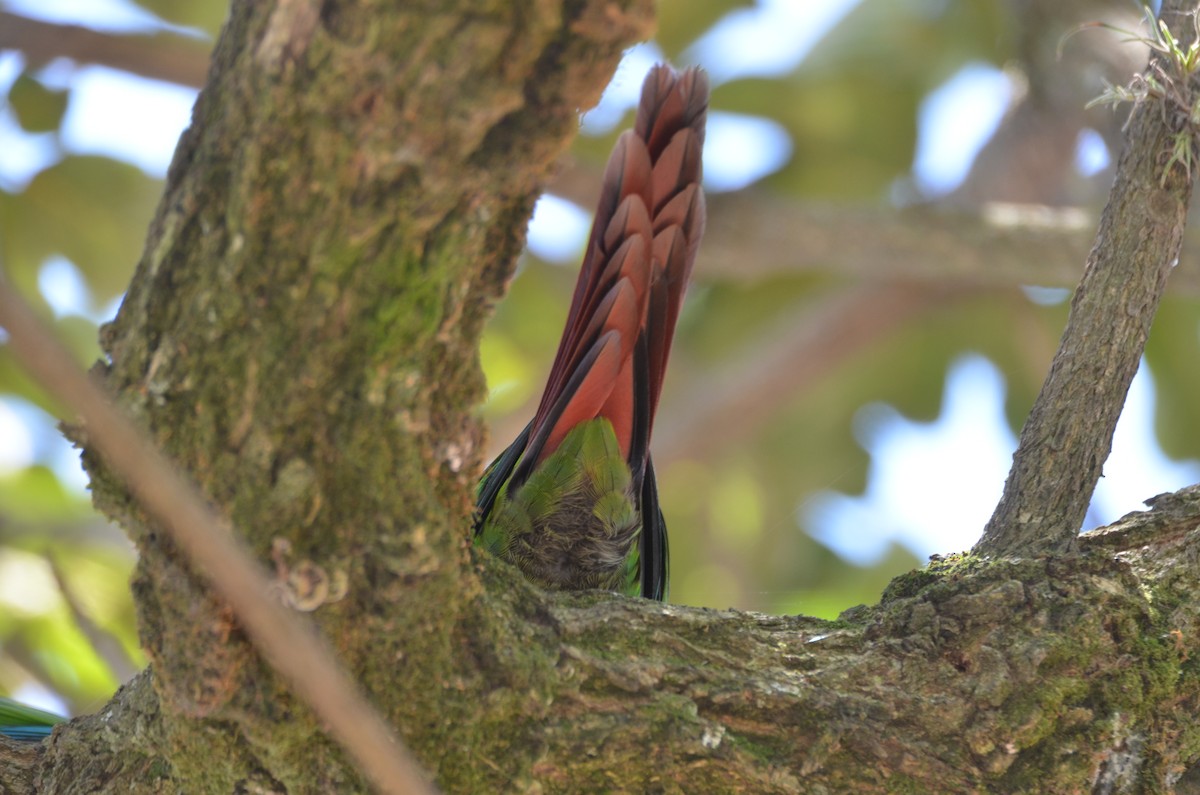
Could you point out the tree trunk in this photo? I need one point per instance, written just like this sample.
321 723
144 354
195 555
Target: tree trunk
301 338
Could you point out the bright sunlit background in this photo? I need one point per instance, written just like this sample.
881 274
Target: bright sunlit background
790 533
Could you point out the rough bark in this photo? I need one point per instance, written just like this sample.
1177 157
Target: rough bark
300 338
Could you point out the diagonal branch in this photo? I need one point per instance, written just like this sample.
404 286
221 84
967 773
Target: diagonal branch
1069 432
733 402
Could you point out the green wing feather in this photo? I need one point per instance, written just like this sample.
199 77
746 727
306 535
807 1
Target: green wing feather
21 722
585 483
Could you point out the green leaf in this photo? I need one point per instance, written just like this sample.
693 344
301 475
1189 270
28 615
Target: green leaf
1172 352
681 22
13 713
35 495
206 15
38 109
92 210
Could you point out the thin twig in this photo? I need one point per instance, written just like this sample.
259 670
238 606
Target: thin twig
288 642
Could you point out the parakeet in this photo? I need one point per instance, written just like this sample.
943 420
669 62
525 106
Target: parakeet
19 722
573 501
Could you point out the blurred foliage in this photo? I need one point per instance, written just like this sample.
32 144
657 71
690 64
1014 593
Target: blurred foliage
851 109
57 213
205 16
681 22
37 108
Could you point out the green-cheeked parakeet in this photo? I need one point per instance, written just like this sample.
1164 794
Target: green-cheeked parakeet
573 501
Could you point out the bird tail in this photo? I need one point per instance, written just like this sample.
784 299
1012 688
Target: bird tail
649 220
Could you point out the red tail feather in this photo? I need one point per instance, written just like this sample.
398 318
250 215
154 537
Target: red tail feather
648 225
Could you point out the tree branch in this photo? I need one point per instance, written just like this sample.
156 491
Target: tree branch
967 677
753 234
159 56
1068 434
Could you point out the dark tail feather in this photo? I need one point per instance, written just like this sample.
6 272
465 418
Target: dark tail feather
653 541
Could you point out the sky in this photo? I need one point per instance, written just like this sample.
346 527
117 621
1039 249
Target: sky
958 461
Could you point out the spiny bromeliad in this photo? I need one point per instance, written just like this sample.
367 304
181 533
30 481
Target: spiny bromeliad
573 501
